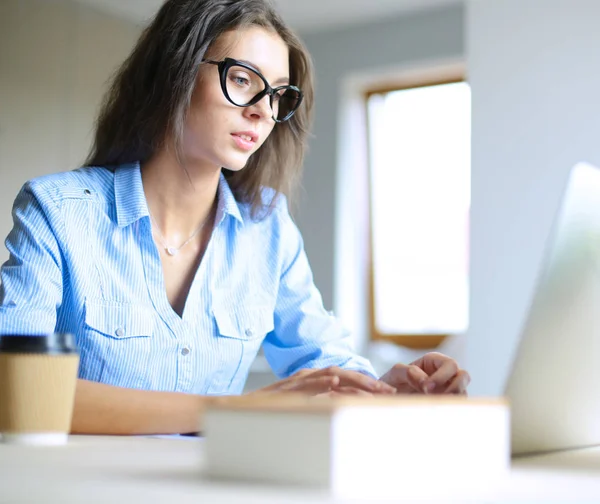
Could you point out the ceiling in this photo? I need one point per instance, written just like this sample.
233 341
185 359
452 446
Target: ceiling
304 15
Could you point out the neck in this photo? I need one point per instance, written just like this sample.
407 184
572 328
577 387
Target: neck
179 198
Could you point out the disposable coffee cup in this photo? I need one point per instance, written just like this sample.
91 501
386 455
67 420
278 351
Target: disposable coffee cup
38 375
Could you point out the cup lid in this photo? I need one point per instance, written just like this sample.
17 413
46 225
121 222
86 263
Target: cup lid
56 343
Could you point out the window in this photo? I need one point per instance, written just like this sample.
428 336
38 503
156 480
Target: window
419 156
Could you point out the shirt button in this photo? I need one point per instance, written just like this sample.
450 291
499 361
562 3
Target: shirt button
185 351
249 333
120 332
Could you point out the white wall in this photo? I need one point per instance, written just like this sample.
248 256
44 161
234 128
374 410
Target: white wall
534 68
55 58
343 56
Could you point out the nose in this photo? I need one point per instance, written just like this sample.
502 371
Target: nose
261 109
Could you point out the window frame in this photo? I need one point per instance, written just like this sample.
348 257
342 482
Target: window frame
412 341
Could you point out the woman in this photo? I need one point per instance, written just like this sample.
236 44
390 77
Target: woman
172 256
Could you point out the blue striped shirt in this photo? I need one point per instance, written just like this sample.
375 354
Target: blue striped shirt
83 260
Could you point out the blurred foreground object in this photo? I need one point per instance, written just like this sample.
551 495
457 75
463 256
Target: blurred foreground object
399 446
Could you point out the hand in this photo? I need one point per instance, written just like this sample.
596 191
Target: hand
330 381
434 373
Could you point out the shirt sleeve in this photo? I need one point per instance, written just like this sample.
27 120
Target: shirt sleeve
31 280
305 335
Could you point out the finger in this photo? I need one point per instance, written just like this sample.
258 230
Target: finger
290 381
431 362
304 372
286 382
352 391
361 381
406 379
459 384
357 379
314 385
446 372
416 378
281 384
349 378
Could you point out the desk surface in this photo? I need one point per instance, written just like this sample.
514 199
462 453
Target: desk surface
139 469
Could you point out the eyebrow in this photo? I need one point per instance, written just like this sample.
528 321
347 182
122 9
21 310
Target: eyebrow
281 81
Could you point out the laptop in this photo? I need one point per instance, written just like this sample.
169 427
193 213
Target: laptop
554 385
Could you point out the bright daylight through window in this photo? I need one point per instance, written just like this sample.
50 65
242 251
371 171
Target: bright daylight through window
420 200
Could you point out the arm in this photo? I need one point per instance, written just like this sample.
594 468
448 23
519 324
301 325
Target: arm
307 337
305 334
31 281
104 409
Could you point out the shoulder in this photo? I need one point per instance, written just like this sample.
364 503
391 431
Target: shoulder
75 184
273 217
271 206
274 206
276 221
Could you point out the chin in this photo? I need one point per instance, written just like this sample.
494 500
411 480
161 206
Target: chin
234 168
234 164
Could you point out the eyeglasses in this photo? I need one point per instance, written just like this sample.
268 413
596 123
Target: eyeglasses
244 86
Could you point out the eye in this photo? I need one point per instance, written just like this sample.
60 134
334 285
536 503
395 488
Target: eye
279 95
240 78
241 81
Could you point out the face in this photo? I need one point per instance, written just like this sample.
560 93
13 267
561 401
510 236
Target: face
218 133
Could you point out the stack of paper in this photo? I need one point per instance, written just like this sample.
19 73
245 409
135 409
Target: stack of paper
396 446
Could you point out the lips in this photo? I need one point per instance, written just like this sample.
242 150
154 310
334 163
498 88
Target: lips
245 140
249 136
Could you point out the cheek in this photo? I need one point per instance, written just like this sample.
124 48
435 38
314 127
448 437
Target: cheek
207 109
205 122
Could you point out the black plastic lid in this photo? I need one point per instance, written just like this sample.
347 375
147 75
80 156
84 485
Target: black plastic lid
58 343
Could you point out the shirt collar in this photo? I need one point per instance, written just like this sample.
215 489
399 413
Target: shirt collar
227 204
130 199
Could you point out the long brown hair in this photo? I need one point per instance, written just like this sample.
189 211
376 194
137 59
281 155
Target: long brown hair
150 95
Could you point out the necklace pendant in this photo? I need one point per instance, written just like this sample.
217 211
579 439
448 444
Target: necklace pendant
171 251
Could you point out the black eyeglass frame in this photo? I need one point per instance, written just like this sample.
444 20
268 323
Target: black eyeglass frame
224 67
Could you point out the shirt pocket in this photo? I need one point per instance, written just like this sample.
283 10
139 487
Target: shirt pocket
119 320
249 322
241 329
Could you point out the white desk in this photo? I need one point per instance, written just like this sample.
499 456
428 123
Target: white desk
135 469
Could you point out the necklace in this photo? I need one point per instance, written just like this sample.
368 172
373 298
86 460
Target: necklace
173 251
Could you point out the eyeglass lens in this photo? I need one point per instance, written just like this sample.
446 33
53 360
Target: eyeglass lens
243 85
